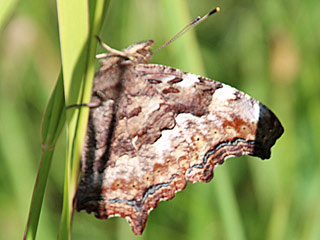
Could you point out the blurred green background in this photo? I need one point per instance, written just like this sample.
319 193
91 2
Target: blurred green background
268 49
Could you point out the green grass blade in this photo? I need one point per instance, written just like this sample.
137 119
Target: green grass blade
73 30
228 206
78 46
96 14
55 116
6 9
53 122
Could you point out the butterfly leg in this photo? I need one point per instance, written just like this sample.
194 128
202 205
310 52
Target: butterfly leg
90 105
101 97
110 50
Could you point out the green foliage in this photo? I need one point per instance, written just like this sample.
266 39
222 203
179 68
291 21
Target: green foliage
269 49
77 26
53 122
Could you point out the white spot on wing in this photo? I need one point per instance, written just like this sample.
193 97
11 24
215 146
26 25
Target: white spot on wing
184 118
225 93
256 111
188 80
167 78
151 106
167 136
134 141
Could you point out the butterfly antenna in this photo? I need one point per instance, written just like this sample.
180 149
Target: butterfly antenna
192 24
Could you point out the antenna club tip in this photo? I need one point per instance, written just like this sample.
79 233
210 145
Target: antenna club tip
217 9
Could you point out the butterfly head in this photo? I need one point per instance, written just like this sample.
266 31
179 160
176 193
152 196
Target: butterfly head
139 52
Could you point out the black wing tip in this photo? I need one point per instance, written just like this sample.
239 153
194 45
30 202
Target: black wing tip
269 130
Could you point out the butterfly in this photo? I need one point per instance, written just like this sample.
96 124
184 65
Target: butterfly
155 128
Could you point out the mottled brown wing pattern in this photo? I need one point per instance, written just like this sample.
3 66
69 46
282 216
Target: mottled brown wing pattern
160 129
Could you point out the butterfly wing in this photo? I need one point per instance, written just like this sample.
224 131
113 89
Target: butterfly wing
171 128
217 109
